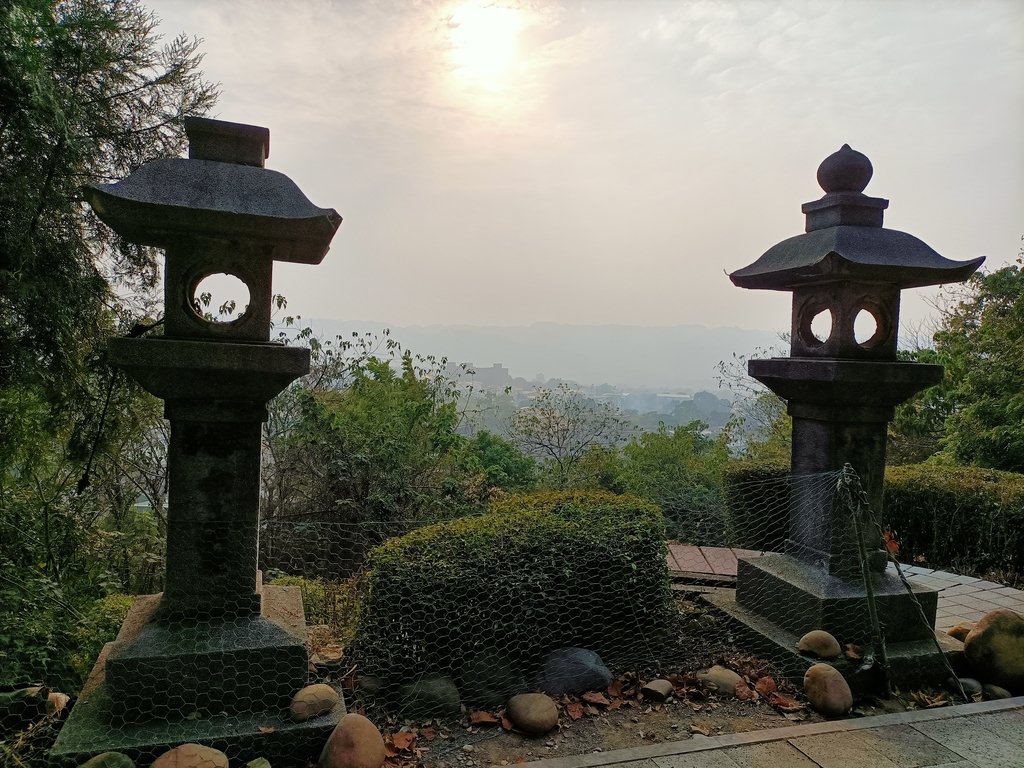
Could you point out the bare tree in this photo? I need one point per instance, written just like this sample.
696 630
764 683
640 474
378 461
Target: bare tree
561 425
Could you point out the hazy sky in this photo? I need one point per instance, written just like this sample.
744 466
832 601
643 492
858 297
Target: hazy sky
608 162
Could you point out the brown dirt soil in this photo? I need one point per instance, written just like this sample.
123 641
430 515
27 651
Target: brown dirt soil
630 726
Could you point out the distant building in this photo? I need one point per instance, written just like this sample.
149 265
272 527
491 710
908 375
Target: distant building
493 379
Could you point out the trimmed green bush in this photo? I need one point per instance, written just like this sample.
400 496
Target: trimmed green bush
963 519
757 504
536 572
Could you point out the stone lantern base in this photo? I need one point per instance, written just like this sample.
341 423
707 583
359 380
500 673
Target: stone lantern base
778 598
142 717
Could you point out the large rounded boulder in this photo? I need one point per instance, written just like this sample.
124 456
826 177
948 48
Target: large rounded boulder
355 742
827 690
532 713
994 649
573 670
192 756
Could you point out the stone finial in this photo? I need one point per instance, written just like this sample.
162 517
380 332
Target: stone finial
227 142
845 171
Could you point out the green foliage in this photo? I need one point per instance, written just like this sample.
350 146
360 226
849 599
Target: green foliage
366 447
963 519
100 625
982 345
919 424
327 602
44 637
87 93
757 503
499 461
760 429
536 572
680 470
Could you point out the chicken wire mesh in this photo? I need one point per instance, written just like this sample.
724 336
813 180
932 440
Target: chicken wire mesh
562 592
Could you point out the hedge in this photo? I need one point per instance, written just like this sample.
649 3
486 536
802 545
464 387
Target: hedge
536 572
963 519
757 504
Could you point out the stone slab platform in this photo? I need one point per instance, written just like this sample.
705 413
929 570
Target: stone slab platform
961 598
989 734
911 663
96 723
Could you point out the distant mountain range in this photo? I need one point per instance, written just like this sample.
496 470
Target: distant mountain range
670 358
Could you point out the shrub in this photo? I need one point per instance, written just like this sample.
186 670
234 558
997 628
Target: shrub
757 504
536 572
100 625
327 602
964 519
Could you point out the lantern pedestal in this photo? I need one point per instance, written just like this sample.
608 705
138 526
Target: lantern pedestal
840 410
274 642
912 663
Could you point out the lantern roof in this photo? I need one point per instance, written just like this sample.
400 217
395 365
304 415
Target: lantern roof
220 191
845 240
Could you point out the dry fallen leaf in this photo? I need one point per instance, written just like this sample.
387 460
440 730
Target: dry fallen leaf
765 685
480 717
926 701
267 729
701 729
574 710
853 652
744 692
783 703
506 723
592 697
403 740
615 689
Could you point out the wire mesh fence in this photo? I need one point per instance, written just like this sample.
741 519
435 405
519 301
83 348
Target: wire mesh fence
562 592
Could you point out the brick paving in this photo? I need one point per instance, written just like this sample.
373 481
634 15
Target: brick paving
988 734
961 598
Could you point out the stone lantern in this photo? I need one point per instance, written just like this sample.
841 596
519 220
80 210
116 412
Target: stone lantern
218 655
841 392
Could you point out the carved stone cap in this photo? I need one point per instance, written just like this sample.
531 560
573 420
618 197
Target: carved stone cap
227 142
844 175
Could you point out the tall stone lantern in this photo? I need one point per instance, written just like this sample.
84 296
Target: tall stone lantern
841 389
218 655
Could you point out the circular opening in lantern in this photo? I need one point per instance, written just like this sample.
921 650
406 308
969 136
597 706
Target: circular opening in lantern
816 326
220 297
869 328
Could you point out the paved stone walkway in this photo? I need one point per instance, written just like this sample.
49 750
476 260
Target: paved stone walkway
989 734
961 598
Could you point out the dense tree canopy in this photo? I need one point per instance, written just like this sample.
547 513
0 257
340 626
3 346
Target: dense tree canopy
981 343
87 92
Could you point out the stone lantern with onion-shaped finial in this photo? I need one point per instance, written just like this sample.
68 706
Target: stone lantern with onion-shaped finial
841 389
217 656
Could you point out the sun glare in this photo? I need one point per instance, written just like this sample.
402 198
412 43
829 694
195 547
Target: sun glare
484 39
